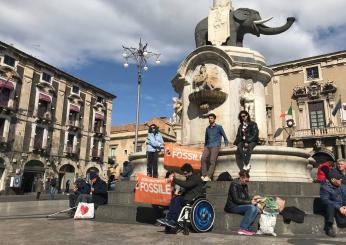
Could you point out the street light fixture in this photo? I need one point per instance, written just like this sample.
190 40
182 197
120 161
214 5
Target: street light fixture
140 55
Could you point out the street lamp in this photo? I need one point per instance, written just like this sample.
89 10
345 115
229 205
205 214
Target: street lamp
140 55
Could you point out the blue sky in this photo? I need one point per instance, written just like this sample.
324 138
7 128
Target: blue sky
85 38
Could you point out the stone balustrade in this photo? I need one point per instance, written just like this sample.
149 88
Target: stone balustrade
319 132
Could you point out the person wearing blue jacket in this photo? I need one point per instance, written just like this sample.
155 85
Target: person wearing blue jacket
154 145
333 198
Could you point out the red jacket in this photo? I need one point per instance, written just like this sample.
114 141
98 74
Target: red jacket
322 170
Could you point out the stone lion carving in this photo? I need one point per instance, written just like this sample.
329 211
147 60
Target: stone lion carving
247 98
205 81
178 109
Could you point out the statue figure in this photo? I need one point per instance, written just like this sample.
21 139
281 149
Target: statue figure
178 109
247 98
202 81
241 22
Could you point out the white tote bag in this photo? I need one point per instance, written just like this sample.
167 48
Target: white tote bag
85 211
267 224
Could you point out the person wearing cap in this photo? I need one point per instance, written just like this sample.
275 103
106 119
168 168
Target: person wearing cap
212 143
99 194
154 145
333 198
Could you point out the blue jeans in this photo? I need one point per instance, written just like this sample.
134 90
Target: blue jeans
175 207
52 192
249 211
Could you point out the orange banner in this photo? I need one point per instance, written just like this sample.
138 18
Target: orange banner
176 156
153 191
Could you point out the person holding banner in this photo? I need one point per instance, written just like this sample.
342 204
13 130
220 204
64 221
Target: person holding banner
213 134
154 145
193 187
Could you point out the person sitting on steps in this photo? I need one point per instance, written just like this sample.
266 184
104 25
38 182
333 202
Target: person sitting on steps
246 139
239 202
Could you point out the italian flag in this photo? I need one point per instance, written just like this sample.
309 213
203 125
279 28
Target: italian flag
289 113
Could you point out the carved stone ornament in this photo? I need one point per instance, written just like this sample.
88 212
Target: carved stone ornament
314 90
178 109
207 99
75 99
299 91
329 88
247 97
206 79
9 74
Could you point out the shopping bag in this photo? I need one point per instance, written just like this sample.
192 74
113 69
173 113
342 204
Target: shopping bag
85 211
267 223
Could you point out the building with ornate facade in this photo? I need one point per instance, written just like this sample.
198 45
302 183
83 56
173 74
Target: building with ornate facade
313 87
122 139
51 123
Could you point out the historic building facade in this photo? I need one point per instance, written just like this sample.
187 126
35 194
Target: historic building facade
51 123
122 140
313 87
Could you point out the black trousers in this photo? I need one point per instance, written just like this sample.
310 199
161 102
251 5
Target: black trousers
244 154
330 212
152 158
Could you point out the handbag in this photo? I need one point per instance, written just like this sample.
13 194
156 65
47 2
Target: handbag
85 211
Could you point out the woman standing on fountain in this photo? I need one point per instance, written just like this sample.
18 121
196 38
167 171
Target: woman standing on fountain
246 139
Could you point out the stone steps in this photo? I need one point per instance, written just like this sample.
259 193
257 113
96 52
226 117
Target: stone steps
225 223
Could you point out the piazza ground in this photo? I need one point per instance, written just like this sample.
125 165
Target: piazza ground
16 229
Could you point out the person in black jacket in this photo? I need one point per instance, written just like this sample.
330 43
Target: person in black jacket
81 193
98 189
246 139
193 187
239 202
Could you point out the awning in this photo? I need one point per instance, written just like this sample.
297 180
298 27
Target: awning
44 97
74 108
6 84
99 116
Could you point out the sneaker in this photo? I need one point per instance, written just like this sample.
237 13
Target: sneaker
245 167
330 232
162 221
246 232
203 178
207 178
171 223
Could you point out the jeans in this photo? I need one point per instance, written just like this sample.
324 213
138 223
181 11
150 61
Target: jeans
52 192
152 158
244 156
175 207
208 167
249 211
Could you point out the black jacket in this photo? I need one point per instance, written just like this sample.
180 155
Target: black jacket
251 135
193 186
237 195
99 195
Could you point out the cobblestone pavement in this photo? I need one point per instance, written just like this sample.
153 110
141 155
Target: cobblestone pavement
16 229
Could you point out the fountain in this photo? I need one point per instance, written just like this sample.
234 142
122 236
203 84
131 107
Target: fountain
223 77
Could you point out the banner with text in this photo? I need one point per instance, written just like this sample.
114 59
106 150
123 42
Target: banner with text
153 191
176 156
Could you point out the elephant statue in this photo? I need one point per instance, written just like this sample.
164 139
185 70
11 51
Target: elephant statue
242 21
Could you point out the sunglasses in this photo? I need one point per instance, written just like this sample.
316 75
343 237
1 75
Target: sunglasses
243 116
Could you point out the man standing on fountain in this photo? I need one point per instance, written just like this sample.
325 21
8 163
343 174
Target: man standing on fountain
246 139
212 144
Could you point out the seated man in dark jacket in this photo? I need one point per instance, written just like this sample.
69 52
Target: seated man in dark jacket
239 202
193 187
333 198
81 193
98 190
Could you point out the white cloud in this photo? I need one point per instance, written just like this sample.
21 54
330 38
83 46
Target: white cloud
71 32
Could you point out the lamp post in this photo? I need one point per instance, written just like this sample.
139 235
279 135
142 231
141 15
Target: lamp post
141 56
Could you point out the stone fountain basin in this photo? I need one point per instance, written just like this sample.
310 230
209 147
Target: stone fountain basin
269 163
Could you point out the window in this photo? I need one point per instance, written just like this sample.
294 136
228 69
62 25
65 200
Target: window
75 89
125 152
4 96
316 112
8 60
312 73
113 149
100 99
139 148
46 77
2 127
38 142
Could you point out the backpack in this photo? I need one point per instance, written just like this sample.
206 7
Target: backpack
225 176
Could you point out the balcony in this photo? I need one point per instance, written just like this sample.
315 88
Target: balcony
99 130
38 145
96 154
72 152
74 125
328 132
44 116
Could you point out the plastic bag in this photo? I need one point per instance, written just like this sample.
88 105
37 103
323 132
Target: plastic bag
85 211
267 224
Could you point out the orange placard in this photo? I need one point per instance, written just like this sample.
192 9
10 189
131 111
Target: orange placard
176 156
153 191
